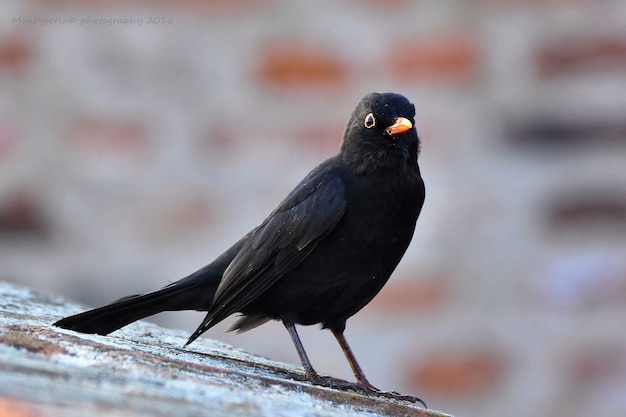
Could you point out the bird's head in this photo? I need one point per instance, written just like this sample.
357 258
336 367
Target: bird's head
381 133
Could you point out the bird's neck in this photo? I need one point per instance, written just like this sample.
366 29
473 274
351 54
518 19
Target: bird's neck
390 160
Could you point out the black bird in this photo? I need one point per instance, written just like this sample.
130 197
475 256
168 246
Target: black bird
320 256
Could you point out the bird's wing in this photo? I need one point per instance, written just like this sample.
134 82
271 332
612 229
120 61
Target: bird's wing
279 244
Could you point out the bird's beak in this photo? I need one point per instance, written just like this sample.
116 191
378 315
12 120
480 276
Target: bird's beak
401 125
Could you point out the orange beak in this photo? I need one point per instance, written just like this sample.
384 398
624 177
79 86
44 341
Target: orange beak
401 125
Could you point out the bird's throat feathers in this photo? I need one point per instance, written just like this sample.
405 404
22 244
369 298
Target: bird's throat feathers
398 154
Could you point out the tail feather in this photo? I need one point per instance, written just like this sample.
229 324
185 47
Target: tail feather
192 293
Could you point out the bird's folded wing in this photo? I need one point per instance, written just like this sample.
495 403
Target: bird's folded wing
280 243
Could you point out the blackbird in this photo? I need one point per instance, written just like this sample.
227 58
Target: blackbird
320 256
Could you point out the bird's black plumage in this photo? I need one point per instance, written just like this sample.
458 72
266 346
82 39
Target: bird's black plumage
321 255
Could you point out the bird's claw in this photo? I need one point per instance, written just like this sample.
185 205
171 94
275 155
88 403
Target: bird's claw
369 389
399 397
364 387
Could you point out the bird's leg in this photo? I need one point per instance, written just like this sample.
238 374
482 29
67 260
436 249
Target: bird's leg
356 368
362 381
310 373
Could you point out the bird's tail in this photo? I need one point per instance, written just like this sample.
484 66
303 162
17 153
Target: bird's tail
194 292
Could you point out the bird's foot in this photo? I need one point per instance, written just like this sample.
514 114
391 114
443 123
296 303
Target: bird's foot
369 389
394 395
330 382
363 387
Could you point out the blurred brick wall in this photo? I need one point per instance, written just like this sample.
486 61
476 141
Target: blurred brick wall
133 152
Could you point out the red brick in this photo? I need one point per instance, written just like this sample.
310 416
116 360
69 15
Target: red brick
403 296
10 407
460 374
445 56
553 132
15 52
588 210
185 214
21 214
324 137
392 6
534 3
294 65
109 136
596 364
571 55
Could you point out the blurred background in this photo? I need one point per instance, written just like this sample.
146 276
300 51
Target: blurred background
140 139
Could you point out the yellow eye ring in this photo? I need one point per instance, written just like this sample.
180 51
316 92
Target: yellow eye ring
370 121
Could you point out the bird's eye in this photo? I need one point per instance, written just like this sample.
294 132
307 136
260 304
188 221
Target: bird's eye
370 121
